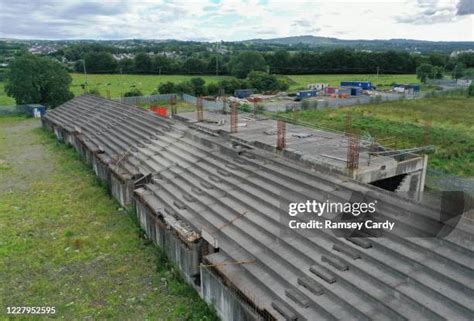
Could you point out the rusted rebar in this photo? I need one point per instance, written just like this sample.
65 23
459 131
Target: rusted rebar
174 109
281 134
233 118
353 147
199 110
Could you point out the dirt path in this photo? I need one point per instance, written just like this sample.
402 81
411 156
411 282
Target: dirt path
65 243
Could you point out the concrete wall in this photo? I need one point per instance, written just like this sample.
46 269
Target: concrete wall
121 189
185 255
225 301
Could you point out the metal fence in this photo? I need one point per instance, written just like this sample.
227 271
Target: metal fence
324 102
444 82
212 105
137 100
440 180
14 110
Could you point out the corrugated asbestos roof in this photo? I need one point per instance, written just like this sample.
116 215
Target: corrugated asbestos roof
236 196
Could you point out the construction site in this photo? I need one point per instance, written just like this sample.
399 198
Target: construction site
212 188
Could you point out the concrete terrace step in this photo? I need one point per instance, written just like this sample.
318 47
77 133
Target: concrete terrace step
236 194
261 224
242 168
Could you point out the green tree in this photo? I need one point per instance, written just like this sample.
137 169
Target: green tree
212 89
466 58
126 66
459 71
165 65
184 87
167 88
438 59
33 79
424 72
133 92
263 81
194 66
198 85
438 72
246 62
229 85
143 63
97 62
470 91
279 61
94 91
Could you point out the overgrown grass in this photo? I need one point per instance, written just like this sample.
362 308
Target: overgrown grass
65 243
401 124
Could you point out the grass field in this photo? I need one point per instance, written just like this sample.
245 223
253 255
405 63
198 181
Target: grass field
147 83
65 243
401 124
120 84
4 99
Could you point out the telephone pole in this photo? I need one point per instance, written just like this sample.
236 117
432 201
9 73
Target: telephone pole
217 59
85 72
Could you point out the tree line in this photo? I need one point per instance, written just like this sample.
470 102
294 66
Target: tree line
239 64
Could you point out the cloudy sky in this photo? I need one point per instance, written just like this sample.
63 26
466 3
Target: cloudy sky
213 20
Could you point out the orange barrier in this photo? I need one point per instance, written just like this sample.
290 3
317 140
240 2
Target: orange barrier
160 111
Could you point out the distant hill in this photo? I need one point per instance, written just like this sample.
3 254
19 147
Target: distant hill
374 45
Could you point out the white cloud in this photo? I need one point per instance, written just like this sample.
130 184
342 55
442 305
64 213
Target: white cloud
427 12
235 20
465 7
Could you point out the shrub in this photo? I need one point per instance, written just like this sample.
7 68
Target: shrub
94 91
260 109
133 92
184 87
167 88
212 89
470 91
198 86
245 108
229 85
263 81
